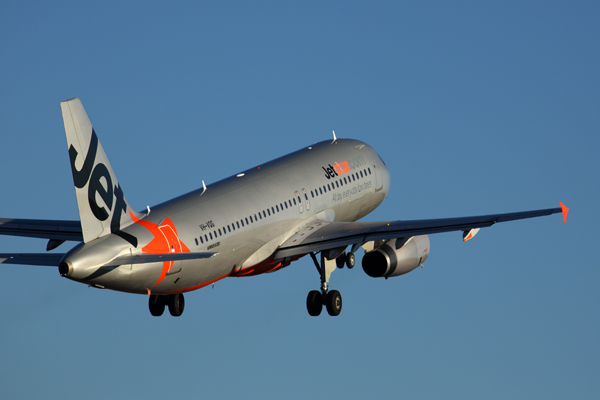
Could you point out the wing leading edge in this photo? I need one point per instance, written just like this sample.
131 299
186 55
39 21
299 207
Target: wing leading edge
332 235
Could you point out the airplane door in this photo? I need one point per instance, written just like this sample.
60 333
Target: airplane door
378 179
300 206
306 197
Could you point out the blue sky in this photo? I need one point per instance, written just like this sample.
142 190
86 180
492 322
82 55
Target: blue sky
476 108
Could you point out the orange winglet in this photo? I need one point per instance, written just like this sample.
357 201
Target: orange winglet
565 211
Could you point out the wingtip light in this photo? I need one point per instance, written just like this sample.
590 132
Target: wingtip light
565 211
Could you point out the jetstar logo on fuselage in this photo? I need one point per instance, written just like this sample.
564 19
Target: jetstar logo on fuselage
341 168
336 169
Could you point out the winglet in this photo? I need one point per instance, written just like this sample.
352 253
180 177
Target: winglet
565 211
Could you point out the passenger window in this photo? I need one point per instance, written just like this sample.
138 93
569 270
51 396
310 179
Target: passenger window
206 238
369 171
329 188
294 201
201 241
228 228
361 174
220 232
321 191
346 182
196 241
337 184
280 207
242 221
286 206
264 214
238 224
210 234
268 212
299 201
256 219
311 194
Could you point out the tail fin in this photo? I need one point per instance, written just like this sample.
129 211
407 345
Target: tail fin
102 205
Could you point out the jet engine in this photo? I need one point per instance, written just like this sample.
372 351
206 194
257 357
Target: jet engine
396 257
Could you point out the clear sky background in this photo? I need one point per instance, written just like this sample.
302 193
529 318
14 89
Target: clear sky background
476 108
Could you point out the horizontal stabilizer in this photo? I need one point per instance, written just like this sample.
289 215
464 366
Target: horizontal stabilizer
47 259
151 258
41 228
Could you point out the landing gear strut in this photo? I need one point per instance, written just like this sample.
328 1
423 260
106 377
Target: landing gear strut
316 299
175 302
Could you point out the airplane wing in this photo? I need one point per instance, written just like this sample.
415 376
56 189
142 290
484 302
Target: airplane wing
42 228
320 235
150 258
53 259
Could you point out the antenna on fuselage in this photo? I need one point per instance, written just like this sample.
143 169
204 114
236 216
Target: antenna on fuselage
334 138
204 186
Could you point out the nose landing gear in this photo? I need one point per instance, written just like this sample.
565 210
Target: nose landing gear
331 299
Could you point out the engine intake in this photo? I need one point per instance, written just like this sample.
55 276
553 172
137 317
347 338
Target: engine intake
388 261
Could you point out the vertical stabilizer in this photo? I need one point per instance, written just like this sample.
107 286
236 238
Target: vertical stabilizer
102 205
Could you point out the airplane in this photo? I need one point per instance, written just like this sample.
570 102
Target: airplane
257 221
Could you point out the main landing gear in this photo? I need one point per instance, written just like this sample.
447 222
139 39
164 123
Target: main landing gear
175 302
345 259
332 299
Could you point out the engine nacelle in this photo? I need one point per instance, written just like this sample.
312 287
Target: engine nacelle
388 261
